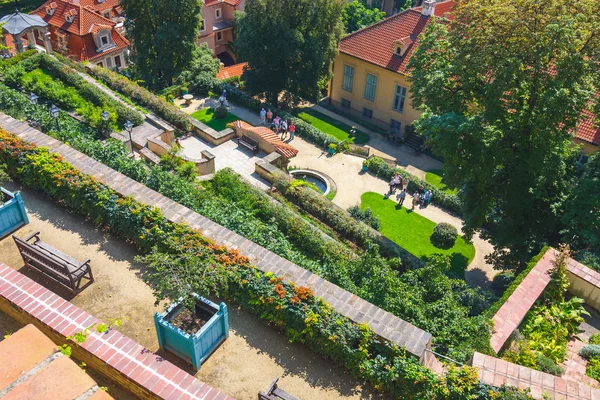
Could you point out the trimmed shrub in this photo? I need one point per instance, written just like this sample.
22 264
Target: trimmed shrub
502 280
221 112
590 351
378 167
444 235
547 365
9 62
365 216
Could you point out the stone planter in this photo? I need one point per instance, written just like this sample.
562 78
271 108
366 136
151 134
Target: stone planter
12 212
194 348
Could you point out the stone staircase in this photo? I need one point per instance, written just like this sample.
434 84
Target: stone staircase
414 141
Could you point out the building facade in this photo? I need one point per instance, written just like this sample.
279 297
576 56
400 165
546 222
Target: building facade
81 30
216 29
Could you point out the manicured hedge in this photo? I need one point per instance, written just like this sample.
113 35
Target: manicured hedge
490 312
9 62
144 97
295 310
378 167
338 219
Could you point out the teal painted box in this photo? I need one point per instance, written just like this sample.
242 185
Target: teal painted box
195 348
12 212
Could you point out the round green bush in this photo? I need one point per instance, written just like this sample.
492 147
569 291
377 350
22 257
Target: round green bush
502 280
220 112
444 235
590 351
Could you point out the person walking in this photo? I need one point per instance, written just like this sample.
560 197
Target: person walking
397 181
276 124
402 197
292 129
392 186
269 116
405 183
415 200
284 128
428 197
263 116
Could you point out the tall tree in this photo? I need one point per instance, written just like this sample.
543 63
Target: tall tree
356 15
163 35
289 44
505 84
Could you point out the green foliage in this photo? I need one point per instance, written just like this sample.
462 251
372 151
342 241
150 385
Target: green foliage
593 368
435 178
365 216
547 365
589 259
144 97
444 235
582 211
208 116
502 280
164 38
590 351
201 74
220 112
6 63
450 202
187 170
289 45
503 103
559 282
595 338
295 310
356 16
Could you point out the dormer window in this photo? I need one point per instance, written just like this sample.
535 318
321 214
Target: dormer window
104 40
70 15
400 46
69 18
51 8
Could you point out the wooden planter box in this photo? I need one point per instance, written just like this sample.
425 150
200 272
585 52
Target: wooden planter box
12 212
195 348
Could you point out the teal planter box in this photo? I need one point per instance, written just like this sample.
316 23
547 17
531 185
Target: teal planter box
195 348
365 168
12 212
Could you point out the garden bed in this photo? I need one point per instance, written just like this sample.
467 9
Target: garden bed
207 116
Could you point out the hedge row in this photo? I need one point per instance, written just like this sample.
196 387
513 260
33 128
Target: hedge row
490 312
295 310
337 218
378 167
6 63
144 97
88 91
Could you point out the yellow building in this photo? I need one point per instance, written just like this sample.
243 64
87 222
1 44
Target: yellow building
371 80
370 72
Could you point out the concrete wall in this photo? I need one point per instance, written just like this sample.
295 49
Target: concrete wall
587 148
384 96
585 283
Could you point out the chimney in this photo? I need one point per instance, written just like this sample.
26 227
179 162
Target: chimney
428 8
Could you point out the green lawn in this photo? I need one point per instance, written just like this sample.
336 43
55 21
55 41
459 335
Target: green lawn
413 231
8 6
332 126
434 177
207 116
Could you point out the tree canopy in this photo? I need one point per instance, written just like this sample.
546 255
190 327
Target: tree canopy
504 85
163 35
202 70
289 45
356 15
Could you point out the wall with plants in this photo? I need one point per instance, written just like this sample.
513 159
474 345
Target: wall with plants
295 310
52 80
378 167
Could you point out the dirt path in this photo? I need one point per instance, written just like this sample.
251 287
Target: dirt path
245 364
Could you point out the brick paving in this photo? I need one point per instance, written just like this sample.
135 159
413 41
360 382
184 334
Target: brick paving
497 372
386 325
575 365
150 373
512 312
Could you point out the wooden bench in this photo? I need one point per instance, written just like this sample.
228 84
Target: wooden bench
274 393
249 143
55 264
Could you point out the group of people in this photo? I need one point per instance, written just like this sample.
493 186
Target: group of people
277 124
421 197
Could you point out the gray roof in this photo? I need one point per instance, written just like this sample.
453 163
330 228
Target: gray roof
18 22
219 26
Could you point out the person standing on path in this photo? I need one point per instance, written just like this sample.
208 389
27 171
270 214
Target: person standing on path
276 124
292 129
269 116
263 115
405 183
415 201
402 197
284 128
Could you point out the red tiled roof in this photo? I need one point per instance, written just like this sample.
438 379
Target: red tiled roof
376 43
234 3
85 17
99 6
232 70
270 136
588 129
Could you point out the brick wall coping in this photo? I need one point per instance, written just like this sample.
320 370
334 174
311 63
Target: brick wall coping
152 374
497 372
583 272
513 311
385 324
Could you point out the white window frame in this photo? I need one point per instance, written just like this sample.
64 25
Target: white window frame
369 86
218 13
118 56
402 96
106 14
107 36
350 87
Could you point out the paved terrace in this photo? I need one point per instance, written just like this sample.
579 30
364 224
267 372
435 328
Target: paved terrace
385 324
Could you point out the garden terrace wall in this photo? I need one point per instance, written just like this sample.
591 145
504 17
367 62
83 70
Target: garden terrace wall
496 372
584 283
383 323
111 354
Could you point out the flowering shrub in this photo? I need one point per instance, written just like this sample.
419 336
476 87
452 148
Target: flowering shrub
295 310
381 169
